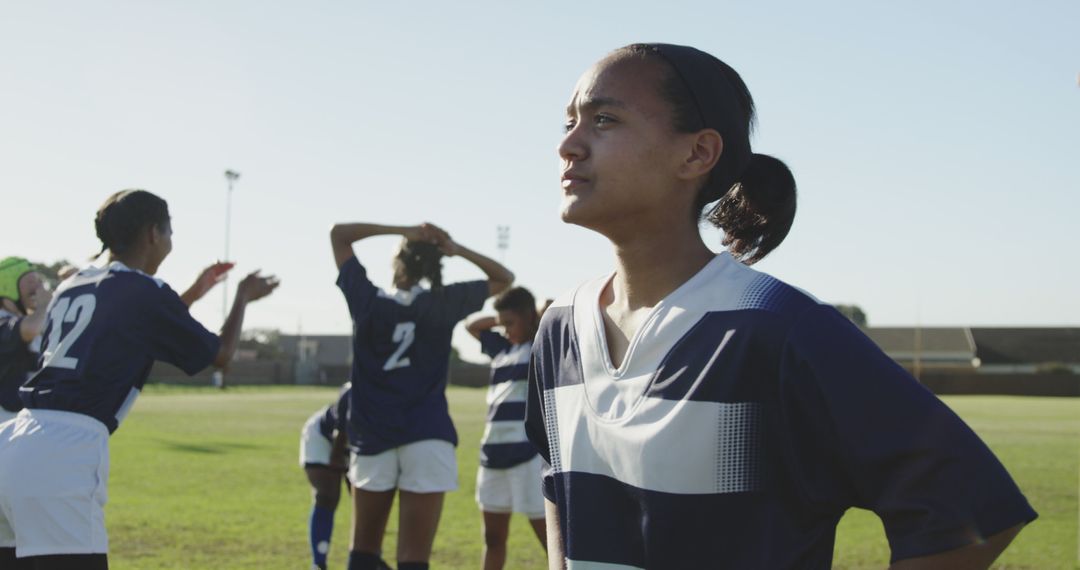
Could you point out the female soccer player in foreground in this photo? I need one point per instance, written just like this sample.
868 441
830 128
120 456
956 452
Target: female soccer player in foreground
403 438
106 328
699 414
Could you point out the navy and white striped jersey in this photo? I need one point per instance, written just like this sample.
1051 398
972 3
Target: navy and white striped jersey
106 328
401 358
744 420
504 444
336 415
17 360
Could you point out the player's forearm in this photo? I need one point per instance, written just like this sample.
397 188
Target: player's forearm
556 556
32 326
190 296
974 557
230 331
348 234
477 325
499 277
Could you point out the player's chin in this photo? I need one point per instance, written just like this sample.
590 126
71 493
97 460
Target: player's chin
575 209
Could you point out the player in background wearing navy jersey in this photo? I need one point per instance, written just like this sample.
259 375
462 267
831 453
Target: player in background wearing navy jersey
324 455
696 413
106 327
401 433
508 479
23 298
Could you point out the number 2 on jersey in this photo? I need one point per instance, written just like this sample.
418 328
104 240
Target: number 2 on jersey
66 310
404 334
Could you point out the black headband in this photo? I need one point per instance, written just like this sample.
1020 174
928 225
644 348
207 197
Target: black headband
713 95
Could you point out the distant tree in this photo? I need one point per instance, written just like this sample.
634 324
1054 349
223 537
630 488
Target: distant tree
51 272
854 313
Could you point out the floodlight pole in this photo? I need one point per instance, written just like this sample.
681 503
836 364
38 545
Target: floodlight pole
231 176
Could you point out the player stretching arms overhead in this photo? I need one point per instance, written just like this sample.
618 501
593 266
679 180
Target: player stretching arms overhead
403 438
697 413
106 328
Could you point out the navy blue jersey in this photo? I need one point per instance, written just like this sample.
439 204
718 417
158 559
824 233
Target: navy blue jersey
504 443
106 328
744 420
401 357
16 361
336 415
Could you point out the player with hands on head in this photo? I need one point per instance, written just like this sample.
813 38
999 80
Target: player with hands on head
508 479
105 327
24 295
402 436
697 413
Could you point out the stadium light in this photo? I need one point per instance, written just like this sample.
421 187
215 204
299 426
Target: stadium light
231 176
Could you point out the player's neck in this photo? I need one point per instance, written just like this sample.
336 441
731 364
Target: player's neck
137 260
649 266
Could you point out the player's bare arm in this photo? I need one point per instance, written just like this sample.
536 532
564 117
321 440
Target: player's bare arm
252 288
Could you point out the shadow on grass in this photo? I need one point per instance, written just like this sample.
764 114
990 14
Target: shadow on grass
207 448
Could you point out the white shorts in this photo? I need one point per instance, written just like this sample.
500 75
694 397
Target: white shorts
427 466
54 470
314 447
512 490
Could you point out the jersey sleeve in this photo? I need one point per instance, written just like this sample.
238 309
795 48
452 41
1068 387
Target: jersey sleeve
174 336
460 300
359 291
862 432
492 343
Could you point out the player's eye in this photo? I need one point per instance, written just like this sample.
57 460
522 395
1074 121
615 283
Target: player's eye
602 120
569 125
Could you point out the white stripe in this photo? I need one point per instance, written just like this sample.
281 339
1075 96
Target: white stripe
671 446
126 406
505 432
509 391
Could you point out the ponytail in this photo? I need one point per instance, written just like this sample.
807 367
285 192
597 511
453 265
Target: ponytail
422 260
757 212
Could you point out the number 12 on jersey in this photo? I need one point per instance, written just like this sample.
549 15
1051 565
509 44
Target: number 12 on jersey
404 334
65 310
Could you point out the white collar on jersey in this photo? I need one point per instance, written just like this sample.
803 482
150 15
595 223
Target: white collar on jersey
402 296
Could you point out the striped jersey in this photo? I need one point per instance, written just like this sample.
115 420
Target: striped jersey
335 416
746 417
106 328
504 444
401 358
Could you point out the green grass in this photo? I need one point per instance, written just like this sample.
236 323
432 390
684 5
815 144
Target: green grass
204 479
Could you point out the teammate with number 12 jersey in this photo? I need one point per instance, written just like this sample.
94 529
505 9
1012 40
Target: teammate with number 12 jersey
106 327
401 430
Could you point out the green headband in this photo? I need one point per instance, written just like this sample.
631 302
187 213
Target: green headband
11 270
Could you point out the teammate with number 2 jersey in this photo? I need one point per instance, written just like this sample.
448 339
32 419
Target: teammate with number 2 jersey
401 430
106 327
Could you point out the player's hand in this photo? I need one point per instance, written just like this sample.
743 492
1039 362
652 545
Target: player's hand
207 279
443 241
424 232
255 286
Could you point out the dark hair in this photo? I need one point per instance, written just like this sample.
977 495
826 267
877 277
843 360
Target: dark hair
126 213
756 192
421 260
517 299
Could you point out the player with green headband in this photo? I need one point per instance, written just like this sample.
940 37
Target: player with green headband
23 298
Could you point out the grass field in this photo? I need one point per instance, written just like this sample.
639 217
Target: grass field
209 480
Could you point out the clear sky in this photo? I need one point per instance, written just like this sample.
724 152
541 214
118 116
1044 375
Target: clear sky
936 145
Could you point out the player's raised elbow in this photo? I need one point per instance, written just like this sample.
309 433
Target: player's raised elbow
500 284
